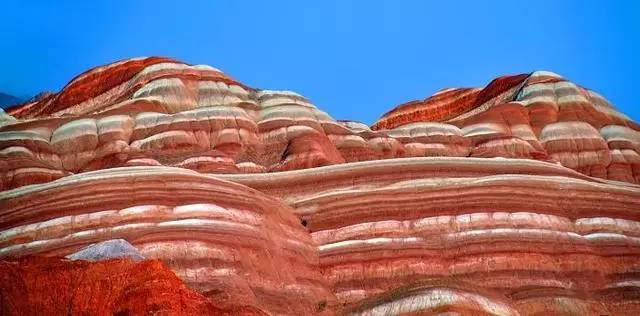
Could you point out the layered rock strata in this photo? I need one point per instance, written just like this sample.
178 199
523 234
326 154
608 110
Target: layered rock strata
518 198
233 244
476 236
54 286
155 111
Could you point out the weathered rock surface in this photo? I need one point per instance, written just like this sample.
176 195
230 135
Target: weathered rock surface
54 286
109 249
233 244
487 236
157 111
519 198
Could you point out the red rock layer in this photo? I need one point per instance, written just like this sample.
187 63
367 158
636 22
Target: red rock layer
515 117
233 244
448 103
468 235
443 105
98 81
218 181
53 286
157 111
85 86
107 85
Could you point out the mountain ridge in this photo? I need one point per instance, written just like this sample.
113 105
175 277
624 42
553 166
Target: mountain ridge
514 116
518 198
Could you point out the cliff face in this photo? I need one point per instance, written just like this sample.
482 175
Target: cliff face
519 198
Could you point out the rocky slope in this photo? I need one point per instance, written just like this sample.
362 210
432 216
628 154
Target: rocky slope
518 198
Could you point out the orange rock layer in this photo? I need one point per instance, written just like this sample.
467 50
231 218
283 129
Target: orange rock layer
233 244
53 286
519 198
157 111
450 103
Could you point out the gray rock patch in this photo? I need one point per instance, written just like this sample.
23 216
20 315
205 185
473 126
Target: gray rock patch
109 249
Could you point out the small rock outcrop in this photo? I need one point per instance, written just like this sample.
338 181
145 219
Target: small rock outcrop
105 250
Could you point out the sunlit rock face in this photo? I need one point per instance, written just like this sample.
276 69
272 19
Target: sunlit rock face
518 198
156 111
54 286
231 243
537 116
472 235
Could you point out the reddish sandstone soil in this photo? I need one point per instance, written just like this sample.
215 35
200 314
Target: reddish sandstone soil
56 286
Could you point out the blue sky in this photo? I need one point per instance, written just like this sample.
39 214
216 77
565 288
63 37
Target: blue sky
354 59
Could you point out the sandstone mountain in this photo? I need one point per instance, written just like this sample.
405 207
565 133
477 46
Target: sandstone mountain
517 198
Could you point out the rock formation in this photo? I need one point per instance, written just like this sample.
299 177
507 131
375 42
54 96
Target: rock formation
518 198
53 286
109 249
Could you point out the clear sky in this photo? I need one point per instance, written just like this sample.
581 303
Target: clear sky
354 59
